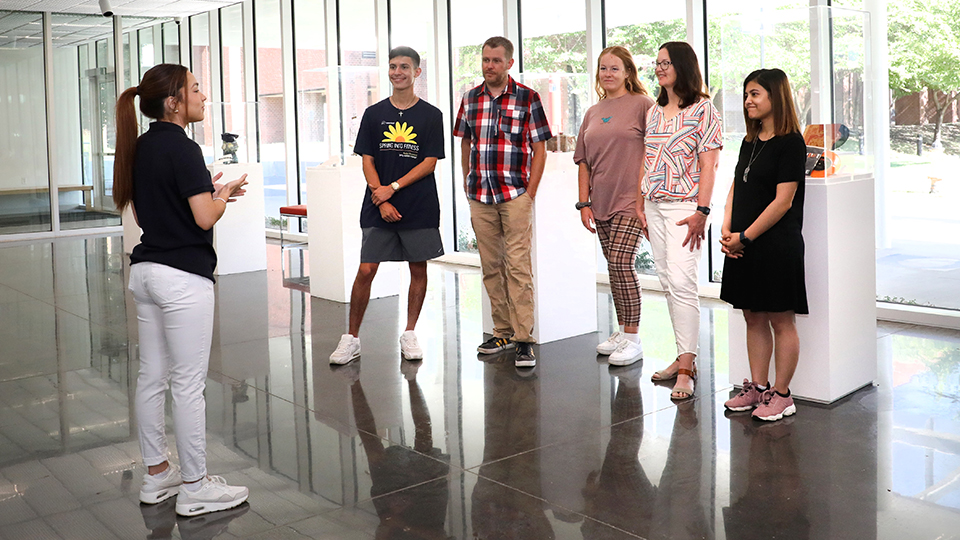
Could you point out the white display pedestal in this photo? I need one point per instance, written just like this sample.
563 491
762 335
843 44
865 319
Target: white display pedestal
334 195
239 237
838 343
564 258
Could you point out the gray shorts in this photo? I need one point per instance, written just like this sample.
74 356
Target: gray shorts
411 245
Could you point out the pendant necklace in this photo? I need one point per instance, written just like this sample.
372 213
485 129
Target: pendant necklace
752 157
399 109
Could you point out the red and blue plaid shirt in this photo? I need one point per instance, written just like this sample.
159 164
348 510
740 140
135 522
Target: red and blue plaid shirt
502 130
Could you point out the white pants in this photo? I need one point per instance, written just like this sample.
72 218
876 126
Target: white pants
677 269
175 314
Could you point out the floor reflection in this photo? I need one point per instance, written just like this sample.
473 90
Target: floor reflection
455 446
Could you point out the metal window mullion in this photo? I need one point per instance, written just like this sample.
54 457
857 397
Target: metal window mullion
251 113
445 102
289 77
52 176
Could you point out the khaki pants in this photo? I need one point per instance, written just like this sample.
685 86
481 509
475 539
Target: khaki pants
504 233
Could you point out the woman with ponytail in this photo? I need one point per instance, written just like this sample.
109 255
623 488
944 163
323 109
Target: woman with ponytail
163 178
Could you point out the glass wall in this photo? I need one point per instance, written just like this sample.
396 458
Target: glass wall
270 125
24 186
200 67
234 109
314 127
359 71
469 28
918 260
171 42
409 27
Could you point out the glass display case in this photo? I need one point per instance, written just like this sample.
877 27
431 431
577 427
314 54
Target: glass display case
825 52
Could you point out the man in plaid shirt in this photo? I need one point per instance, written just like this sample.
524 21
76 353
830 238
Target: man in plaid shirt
504 130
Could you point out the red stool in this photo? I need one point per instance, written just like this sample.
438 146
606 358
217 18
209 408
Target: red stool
298 211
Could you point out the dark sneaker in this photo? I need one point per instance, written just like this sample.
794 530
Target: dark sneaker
525 356
495 345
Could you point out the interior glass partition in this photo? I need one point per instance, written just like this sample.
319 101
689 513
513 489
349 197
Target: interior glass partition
24 186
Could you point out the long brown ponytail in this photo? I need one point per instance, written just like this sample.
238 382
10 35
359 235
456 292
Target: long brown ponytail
159 83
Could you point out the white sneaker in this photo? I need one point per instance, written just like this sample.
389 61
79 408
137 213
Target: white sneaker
627 353
214 494
160 487
347 350
610 345
410 347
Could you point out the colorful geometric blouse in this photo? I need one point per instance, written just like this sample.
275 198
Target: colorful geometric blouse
672 164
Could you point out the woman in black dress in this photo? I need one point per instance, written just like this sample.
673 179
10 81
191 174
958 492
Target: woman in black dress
763 269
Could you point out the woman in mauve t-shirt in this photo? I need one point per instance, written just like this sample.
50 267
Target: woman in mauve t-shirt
610 156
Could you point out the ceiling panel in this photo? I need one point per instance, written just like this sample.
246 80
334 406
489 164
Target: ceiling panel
147 8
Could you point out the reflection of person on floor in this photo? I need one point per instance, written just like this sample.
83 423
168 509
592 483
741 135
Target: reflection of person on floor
510 427
405 512
621 494
773 500
678 513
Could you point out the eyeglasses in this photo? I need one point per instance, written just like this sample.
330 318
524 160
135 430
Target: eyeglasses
662 65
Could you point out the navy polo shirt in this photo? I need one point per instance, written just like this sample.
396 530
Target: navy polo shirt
169 169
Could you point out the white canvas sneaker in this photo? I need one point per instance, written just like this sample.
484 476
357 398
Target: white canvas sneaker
410 347
347 350
214 495
610 345
627 353
160 487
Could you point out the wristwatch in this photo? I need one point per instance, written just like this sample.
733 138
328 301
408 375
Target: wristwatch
744 240
582 205
705 210
395 186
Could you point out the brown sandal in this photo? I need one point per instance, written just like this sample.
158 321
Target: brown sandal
684 393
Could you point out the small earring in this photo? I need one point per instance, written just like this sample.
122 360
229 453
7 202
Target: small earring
176 110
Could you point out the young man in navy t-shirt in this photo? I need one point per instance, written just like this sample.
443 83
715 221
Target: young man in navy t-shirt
400 139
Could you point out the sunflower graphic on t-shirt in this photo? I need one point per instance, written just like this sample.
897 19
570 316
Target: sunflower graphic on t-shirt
400 133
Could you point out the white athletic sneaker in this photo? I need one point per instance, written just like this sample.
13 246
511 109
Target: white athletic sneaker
160 487
410 347
347 350
627 353
214 495
610 345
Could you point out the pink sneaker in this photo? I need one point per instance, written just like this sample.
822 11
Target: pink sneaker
774 407
748 398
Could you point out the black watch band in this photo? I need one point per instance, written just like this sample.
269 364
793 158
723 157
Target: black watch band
705 210
582 205
744 240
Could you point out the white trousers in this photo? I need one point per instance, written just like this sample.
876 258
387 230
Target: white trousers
175 314
677 268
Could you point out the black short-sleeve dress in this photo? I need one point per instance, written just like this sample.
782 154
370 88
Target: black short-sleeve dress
769 277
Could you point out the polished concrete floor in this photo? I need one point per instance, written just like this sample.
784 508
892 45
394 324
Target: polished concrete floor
456 447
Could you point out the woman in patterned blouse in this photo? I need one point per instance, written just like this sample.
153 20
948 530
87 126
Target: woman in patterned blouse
683 142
